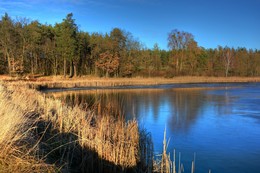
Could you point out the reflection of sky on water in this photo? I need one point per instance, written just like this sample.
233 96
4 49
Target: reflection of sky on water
221 125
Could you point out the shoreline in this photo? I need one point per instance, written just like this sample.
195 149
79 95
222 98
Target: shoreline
58 82
69 138
75 127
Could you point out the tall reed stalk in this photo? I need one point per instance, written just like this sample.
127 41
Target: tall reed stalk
17 146
70 138
163 164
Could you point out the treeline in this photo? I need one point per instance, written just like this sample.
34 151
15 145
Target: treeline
29 47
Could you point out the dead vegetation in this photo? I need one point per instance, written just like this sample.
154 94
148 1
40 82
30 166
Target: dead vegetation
39 134
91 81
17 152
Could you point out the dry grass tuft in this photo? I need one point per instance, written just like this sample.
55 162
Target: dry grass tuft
37 132
15 140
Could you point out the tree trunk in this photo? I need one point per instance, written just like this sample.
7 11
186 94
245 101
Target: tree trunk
32 67
64 67
55 68
107 74
181 61
228 57
227 69
23 57
71 69
75 70
8 61
177 66
36 64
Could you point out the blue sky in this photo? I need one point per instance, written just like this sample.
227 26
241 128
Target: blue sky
233 23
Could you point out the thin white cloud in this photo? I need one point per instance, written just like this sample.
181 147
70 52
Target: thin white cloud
14 8
3 10
7 4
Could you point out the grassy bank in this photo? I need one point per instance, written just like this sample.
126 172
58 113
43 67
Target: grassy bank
89 81
39 134
17 124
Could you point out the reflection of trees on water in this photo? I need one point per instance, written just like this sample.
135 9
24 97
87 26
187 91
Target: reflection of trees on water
180 108
223 101
144 103
186 106
131 103
94 100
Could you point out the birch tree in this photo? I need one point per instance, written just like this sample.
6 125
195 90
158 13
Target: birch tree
228 57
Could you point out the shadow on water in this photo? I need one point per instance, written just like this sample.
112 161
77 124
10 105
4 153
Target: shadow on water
65 151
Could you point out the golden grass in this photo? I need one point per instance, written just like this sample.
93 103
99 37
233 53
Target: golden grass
70 132
15 141
90 81
111 82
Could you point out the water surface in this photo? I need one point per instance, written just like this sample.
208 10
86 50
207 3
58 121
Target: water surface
220 122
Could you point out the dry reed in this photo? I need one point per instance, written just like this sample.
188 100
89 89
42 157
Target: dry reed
17 146
89 81
69 137
163 163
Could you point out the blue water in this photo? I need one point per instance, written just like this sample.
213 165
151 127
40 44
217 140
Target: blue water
221 123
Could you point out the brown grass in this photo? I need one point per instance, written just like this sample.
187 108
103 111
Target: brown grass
37 130
16 143
90 81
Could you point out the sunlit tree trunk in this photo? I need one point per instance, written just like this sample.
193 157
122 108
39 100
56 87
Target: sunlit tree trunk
75 70
71 68
228 58
9 62
64 67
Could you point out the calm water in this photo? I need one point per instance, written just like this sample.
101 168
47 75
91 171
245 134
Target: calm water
220 122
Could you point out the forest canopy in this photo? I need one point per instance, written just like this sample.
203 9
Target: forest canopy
30 47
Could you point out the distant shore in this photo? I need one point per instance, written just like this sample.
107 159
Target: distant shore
90 81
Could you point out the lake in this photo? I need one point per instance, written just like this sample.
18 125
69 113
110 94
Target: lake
219 122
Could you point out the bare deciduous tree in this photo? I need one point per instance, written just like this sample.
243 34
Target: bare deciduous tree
228 56
179 41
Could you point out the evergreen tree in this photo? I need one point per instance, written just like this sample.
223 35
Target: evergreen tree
67 42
